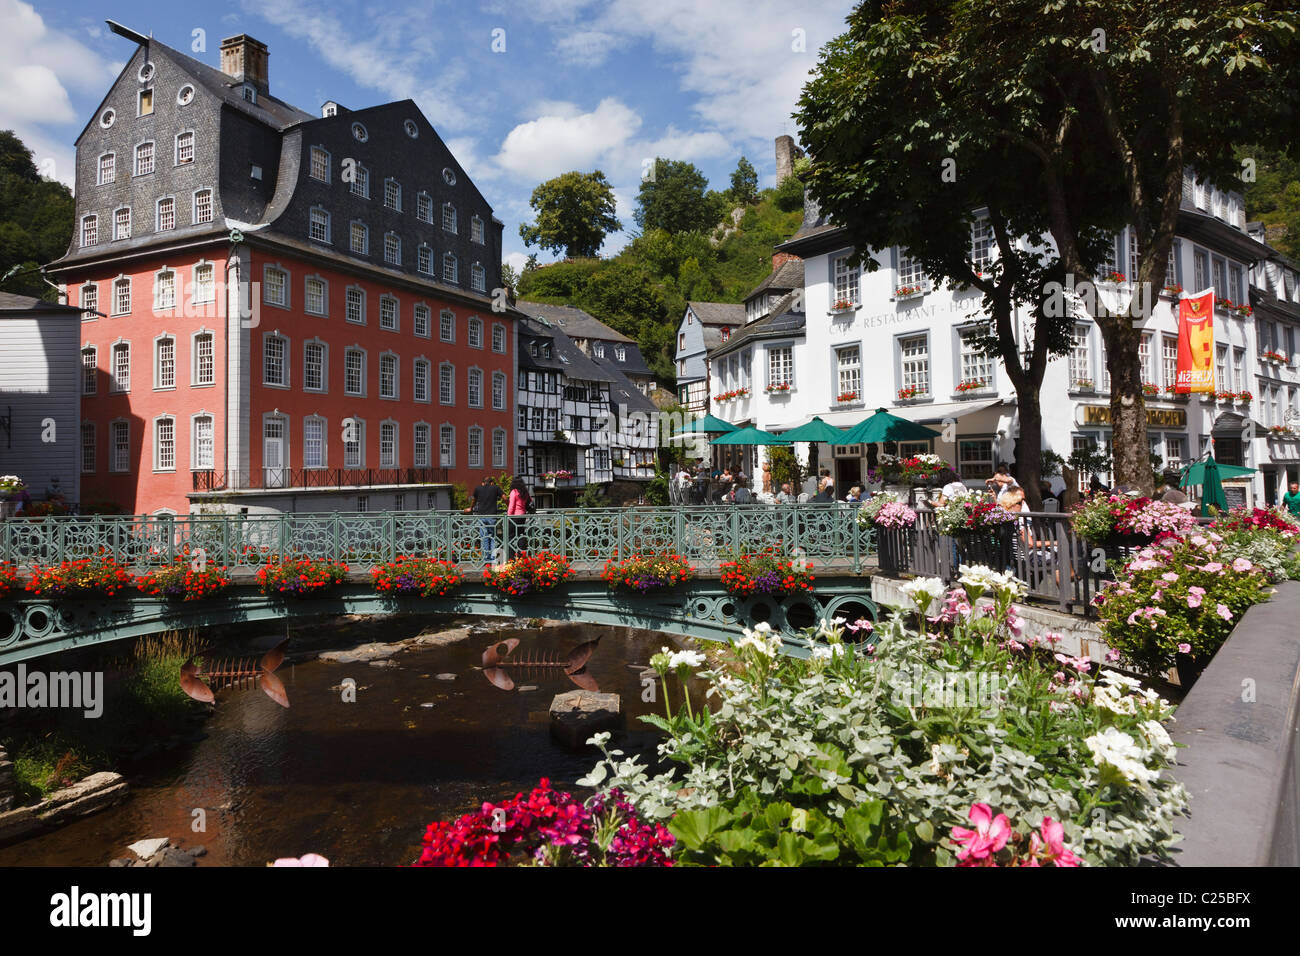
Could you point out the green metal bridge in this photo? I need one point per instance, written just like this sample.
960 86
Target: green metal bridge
827 536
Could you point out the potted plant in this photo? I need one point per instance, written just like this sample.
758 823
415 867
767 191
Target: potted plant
10 486
906 393
778 387
1112 276
1173 289
1083 385
845 397
1244 398
841 305
1150 388
908 291
971 385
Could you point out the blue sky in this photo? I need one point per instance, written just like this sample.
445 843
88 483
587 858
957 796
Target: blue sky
579 85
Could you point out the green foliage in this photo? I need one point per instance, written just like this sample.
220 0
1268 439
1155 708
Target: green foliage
1052 464
575 211
591 497
789 194
656 490
36 219
744 183
677 198
1274 197
459 496
785 468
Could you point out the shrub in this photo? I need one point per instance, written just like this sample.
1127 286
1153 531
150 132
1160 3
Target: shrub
409 575
528 572
765 573
647 572
300 577
99 576
182 579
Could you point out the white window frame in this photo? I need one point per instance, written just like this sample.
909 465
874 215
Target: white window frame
395 309
359 425
424 259
390 431
177 148
473 379
203 292
474 333
447 441
447 326
846 281
158 444
121 228
119 453
310 423
394 391
353 235
973 364
914 366
499 391
476 232
360 185
144 151
164 290
393 190
450 260
1080 357
198 193
196 456
498 333
350 351
323 308
90 382
392 248
324 154
100 178
89 302
498 448
447 387
449 217
421 459
119 283
267 339
478 278
417 393
355 294
268 287
473 460
307 346
91 221
196 358
160 225
88 464
424 207
116 380
161 367
421 320
318 225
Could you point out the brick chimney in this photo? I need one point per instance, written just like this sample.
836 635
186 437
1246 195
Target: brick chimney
781 258
244 60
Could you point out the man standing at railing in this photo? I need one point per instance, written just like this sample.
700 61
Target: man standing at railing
485 499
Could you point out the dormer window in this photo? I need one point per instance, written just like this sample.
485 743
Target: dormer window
250 93
620 353
146 103
598 350
726 333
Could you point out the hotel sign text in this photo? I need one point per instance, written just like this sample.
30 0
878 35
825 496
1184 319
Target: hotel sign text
1159 417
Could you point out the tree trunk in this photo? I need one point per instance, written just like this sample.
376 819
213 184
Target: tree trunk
1130 449
1029 447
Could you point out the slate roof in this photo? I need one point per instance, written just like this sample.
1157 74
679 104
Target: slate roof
789 275
10 302
575 323
779 323
718 313
565 357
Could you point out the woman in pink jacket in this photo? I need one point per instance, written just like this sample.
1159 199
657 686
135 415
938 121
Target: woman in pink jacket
516 508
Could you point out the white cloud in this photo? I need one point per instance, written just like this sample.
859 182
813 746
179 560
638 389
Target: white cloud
586 48
566 139
515 260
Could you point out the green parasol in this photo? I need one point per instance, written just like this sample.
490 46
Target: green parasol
883 426
706 424
815 430
749 436
1207 474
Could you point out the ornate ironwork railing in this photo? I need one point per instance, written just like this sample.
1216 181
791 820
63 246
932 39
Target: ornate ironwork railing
824 534
288 479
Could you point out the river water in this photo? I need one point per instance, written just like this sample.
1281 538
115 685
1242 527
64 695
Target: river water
359 782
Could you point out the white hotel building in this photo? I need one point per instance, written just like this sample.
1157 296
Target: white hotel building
899 331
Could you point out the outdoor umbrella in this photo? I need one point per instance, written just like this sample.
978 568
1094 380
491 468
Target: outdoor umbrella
750 436
706 424
815 430
883 426
1207 474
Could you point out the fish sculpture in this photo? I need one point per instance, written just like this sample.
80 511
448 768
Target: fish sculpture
238 672
573 664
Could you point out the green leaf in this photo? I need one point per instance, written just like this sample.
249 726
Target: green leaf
694 827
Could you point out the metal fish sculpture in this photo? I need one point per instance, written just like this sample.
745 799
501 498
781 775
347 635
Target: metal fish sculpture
238 672
573 664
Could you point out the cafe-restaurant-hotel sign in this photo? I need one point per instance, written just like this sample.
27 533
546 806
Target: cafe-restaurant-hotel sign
1159 417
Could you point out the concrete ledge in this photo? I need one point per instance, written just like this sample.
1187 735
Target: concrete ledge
1240 723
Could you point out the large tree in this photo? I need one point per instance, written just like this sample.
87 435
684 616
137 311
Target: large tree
1069 121
675 196
744 183
575 211
36 218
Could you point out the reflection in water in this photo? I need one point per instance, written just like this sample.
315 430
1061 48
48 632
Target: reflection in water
359 782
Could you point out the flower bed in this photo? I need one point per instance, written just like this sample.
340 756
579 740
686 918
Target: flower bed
643 573
971 513
548 828
1104 518
300 577
1257 519
8 579
886 511
409 575
765 573
967 747
184 578
100 576
528 572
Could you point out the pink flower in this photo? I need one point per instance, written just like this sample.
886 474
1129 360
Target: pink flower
1223 612
1214 567
1169 576
1112 655
989 836
1051 848
1194 596
1241 564
311 859
1159 595
1184 648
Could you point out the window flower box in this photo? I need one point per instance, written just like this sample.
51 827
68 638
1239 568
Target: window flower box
1112 276
1173 289
1150 388
911 291
1273 358
971 385
842 305
778 388
1281 431
1244 398
1242 311
845 397
1084 385
1225 396
908 393
562 474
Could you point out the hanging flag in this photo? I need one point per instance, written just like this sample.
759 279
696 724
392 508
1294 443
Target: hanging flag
1196 343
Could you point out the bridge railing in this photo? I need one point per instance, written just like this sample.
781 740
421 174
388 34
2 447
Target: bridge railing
704 535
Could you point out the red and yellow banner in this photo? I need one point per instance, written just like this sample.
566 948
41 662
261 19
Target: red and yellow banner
1196 343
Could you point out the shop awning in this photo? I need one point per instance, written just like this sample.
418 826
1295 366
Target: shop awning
928 414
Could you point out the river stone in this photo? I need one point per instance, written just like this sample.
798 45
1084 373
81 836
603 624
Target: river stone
429 704
120 861
362 653
88 795
173 856
578 714
199 850
147 848
446 677
443 638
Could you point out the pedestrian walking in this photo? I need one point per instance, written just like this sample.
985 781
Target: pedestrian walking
483 503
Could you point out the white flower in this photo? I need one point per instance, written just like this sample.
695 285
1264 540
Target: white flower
762 627
685 659
768 647
826 652
1109 697
1158 738
1119 750
1116 679
932 588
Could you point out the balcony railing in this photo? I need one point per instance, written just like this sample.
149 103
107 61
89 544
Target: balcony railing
278 479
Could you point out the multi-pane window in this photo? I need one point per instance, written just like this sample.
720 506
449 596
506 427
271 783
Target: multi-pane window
89 230
313 366
421 379
1239 368
388 445
107 169
356 306
164 444
392 195
204 364
424 207
275 286
498 338
1144 357
388 376
203 206
1221 279
318 227
446 384
447 446
1221 368
165 367
164 291
320 164
476 229
1175 451
1169 360
274 367
424 259
204 282
387 312
313 300
89 371
475 388
478 278
144 159
359 238
475 333
354 433
120 442
449 217
910 275
87 447
122 367
976 365
780 366
447 327
361 182
420 320
474 447
1201 262
449 268
914 355
89 300
975 458
354 372
848 365
1110 264
498 448
313 443
1171 265
184 148
203 443
847 285
121 296
1236 284
1080 360
166 217
1134 257
981 244
499 391
392 248
420 448
122 223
